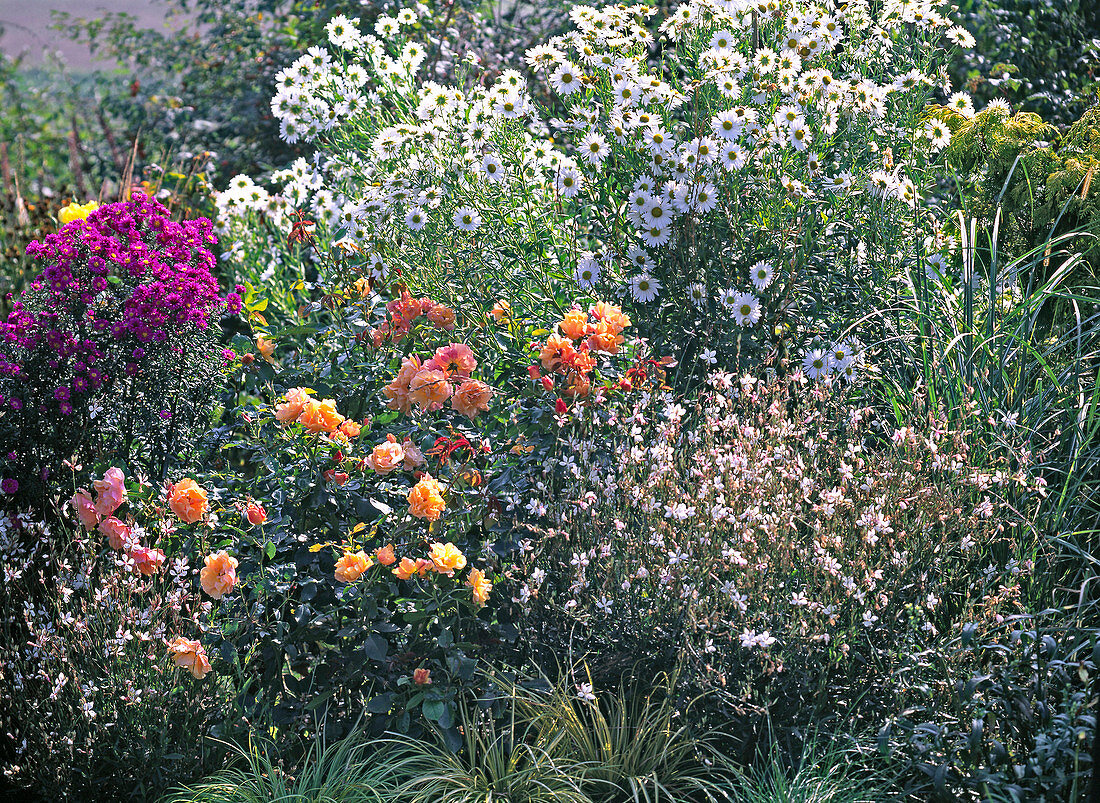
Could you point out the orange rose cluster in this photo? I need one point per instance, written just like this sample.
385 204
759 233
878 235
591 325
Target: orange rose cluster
580 336
316 415
430 384
443 558
404 311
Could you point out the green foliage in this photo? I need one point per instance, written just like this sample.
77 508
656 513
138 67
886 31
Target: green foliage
1041 55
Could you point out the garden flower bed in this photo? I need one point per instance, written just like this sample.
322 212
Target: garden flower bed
649 417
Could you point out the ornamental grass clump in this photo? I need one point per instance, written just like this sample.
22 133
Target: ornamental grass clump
113 349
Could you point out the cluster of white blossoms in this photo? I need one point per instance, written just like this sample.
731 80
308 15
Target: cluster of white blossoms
757 108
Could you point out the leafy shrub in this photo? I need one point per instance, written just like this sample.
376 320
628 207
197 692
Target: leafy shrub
113 349
1040 56
382 453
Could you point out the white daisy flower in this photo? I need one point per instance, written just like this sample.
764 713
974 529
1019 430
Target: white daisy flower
466 218
593 149
644 288
746 309
566 79
492 168
567 181
587 272
761 275
416 218
816 364
697 294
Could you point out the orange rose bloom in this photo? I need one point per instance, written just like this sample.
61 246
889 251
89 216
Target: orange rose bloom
556 350
481 586
423 566
577 386
320 416
606 338
386 555
188 500
352 565
398 390
472 398
219 575
574 325
429 389
446 558
266 348
289 410
612 316
422 676
405 569
255 513
426 499
456 359
349 428
442 316
501 311
385 457
190 655
414 458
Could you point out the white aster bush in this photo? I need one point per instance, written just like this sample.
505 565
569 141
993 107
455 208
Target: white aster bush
750 172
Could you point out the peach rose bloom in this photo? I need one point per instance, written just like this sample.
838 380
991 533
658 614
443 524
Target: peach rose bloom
414 458
398 390
577 387
605 339
385 457
147 561
442 316
611 315
266 348
115 531
110 492
255 513
219 575
350 429
351 566
429 389
501 311
85 509
574 325
481 586
454 360
190 655
405 569
472 398
557 350
188 500
422 676
446 558
426 499
386 556
290 409
320 416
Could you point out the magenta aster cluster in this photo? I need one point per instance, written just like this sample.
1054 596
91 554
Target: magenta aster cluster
116 288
